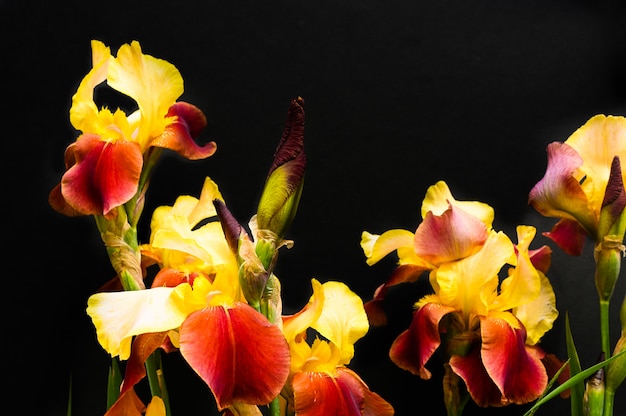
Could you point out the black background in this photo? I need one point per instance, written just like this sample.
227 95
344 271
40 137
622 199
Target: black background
399 95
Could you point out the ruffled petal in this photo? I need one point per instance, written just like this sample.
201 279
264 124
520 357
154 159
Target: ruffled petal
523 284
598 141
239 354
343 320
186 121
451 236
412 349
105 176
376 246
118 316
438 199
153 83
539 315
559 193
84 112
515 368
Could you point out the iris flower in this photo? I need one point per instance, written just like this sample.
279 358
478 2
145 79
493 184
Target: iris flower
196 304
321 384
578 182
105 163
490 328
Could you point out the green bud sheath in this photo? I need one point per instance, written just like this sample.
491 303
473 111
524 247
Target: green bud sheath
593 400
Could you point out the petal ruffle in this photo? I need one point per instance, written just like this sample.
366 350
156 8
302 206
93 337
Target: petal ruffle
118 316
480 386
412 349
96 184
559 192
343 320
186 123
438 199
239 354
451 236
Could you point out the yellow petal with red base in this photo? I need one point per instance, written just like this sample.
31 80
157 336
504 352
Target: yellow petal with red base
240 355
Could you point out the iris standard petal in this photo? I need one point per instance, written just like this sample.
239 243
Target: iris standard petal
450 236
559 192
153 83
84 112
412 349
239 354
118 316
343 320
539 315
438 198
470 285
514 367
96 184
598 141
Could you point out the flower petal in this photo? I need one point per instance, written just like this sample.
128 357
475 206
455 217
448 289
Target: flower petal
438 199
320 394
412 349
451 236
118 316
97 183
343 320
480 386
559 193
539 315
239 354
376 246
514 367
569 235
186 121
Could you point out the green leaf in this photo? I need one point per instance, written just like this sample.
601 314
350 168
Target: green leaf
578 390
579 378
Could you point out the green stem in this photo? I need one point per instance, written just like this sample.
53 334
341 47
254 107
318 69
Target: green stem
604 328
609 397
156 379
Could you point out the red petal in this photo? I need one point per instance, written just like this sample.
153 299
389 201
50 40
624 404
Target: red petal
237 352
143 346
373 404
480 386
569 235
106 175
320 394
515 368
179 135
414 347
541 258
128 404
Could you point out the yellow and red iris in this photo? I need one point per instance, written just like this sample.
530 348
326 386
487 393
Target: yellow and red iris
196 304
489 329
105 163
321 384
583 176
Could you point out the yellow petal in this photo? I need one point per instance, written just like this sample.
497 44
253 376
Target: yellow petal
539 315
343 320
438 196
597 142
84 112
154 84
118 316
376 247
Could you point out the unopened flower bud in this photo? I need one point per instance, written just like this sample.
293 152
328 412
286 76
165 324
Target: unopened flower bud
593 399
283 187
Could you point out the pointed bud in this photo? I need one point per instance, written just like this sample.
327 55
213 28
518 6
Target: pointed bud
593 399
611 220
608 256
231 227
283 187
